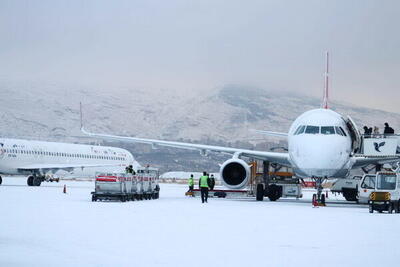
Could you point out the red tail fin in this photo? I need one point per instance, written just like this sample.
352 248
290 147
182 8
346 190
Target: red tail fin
326 89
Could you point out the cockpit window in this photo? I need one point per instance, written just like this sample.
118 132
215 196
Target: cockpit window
312 129
327 130
340 131
344 133
300 130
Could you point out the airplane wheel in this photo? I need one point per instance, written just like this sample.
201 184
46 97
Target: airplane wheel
1 180
37 181
30 180
323 199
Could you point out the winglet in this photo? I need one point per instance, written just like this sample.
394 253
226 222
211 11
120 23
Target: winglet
326 88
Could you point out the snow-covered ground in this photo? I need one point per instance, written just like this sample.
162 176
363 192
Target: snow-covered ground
41 226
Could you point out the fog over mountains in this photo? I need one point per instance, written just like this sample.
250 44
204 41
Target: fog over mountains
51 112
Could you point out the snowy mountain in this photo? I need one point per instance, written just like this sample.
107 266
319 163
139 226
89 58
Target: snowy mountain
51 112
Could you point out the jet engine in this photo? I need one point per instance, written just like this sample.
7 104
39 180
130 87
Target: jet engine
235 173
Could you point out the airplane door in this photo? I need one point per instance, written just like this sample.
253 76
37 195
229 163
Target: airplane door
354 134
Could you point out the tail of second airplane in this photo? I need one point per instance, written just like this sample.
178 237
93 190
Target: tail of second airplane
326 87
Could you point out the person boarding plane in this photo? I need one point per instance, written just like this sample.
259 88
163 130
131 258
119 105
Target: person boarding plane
321 144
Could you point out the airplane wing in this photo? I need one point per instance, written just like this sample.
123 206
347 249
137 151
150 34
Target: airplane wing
360 161
274 157
66 166
269 133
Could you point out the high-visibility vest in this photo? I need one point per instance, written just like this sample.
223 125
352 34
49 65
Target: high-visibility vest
203 181
191 182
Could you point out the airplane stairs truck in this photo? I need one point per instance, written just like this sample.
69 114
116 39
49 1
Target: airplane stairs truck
377 145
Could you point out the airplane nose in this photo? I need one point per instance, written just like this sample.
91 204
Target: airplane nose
320 160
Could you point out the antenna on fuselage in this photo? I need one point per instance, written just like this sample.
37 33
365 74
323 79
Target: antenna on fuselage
326 87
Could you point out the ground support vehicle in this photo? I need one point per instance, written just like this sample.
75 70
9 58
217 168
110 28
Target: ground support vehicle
112 186
382 201
347 187
147 183
381 191
272 181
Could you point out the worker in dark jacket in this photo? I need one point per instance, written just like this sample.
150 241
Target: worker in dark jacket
203 184
191 183
388 129
212 182
129 169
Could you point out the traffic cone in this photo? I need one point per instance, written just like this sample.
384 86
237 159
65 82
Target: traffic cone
65 189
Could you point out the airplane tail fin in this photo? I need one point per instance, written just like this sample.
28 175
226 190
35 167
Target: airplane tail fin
326 87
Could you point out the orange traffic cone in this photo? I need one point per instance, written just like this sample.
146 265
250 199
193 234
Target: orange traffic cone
65 189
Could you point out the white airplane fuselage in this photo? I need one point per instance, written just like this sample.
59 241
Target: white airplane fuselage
323 147
18 156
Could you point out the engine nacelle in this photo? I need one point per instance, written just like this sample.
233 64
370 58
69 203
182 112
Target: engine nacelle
235 173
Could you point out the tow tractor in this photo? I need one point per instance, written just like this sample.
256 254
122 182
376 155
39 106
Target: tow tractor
381 191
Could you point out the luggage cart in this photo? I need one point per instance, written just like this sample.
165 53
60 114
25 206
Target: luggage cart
109 186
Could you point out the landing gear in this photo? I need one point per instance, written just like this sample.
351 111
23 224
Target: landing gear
1 180
37 180
30 180
34 180
319 198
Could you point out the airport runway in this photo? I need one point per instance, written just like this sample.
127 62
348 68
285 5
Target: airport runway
41 226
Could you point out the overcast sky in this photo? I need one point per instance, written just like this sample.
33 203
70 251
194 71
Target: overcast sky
201 45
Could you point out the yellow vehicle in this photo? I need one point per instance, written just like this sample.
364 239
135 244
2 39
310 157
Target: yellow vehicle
386 193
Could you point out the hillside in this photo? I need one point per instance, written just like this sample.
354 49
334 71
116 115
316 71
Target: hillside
224 115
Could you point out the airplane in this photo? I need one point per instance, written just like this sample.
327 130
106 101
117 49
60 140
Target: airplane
321 144
40 160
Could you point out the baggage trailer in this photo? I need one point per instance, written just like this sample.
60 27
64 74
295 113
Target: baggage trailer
147 186
113 186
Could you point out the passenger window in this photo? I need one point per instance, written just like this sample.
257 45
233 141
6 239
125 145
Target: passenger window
327 130
312 130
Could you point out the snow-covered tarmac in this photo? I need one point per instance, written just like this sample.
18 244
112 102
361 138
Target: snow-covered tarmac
41 226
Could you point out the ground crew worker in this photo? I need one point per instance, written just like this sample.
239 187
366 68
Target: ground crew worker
129 169
212 182
191 183
203 184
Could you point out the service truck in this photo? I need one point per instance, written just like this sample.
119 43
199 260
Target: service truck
348 187
381 191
